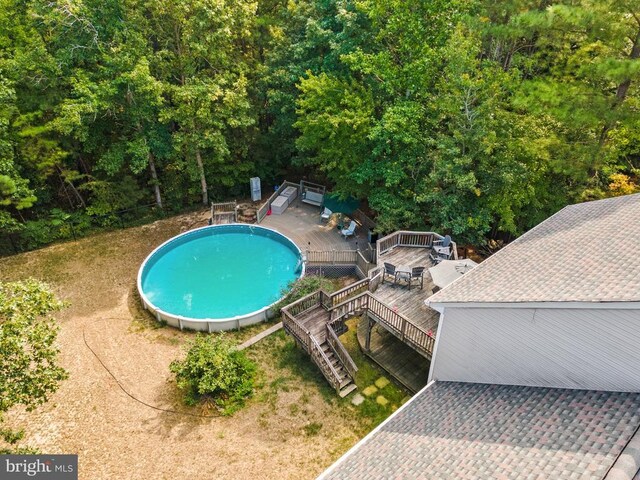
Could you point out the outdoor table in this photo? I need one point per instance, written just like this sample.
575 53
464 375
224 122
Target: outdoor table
404 271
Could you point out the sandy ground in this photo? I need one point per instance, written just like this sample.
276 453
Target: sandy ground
118 437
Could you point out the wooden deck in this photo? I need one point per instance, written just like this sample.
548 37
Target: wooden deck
409 302
301 223
401 362
315 321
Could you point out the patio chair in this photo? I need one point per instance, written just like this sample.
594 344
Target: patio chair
326 214
347 232
437 257
441 249
445 242
417 273
389 269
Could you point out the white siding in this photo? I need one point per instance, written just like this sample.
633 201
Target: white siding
573 348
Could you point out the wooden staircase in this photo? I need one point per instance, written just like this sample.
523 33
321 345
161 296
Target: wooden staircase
345 381
316 320
309 322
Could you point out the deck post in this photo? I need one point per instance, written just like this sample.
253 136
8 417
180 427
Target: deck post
367 343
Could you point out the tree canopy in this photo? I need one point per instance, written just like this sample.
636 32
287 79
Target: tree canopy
474 118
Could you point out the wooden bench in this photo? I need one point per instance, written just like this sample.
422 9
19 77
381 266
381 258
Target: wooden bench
312 198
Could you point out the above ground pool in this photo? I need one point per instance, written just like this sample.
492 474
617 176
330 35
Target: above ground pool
218 277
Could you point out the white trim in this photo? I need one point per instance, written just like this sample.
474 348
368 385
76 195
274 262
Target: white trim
441 306
434 354
353 449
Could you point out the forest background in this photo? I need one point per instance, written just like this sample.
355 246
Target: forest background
476 118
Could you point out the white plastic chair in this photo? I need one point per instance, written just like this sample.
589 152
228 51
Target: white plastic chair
347 232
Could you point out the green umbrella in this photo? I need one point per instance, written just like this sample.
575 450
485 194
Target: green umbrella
340 205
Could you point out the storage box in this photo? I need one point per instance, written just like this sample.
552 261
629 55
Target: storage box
291 193
279 205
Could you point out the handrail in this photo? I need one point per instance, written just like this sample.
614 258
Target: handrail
315 347
398 324
224 206
349 306
416 336
292 326
325 300
331 256
341 352
408 238
351 299
339 295
375 278
363 264
305 302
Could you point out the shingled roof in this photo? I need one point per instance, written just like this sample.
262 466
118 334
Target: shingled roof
588 252
477 431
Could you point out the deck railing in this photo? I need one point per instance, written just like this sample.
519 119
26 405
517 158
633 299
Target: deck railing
375 278
351 300
262 211
349 291
340 258
362 218
223 207
303 304
403 328
294 328
332 257
363 265
224 212
321 360
405 238
341 352
357 304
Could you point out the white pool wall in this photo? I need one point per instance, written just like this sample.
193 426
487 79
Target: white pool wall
212 324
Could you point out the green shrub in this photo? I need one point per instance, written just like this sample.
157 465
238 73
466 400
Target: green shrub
214 370
297 289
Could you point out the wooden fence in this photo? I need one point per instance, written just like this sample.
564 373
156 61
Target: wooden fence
340 258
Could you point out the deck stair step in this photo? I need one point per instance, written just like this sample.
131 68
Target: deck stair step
347 389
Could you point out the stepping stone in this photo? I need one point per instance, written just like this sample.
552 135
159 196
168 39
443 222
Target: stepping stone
405 400
357 399
382 401
382 382
370 390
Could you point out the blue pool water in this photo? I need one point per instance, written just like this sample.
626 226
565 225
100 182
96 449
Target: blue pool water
220 271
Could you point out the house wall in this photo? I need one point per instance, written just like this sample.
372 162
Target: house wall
573 348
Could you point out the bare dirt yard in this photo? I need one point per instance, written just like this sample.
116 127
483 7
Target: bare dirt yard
292 428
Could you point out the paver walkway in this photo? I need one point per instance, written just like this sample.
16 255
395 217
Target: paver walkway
260 336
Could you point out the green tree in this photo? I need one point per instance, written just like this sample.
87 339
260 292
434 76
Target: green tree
29 370
202 61
583 76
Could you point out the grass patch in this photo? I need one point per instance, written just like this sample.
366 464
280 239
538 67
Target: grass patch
312 429
371 412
